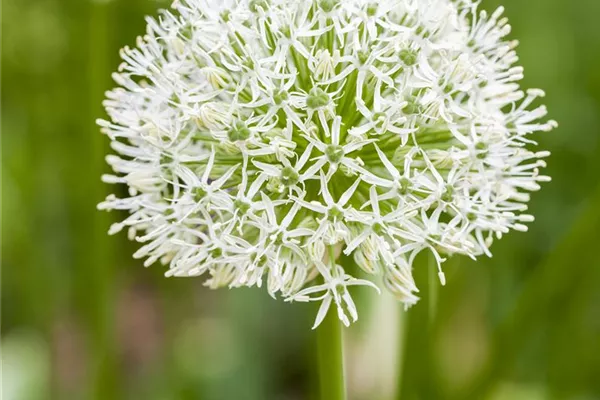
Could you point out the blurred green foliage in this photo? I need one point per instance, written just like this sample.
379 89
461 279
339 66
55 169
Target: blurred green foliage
82 320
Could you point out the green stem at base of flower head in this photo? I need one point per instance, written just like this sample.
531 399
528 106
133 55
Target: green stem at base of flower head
330 350
432 275
332 384
418 378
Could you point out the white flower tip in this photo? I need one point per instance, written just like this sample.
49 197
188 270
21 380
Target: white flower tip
543 154
499 11
543 178
550 125
521 227
170 273
536 93
114 228
107 178
442 278
526 218
149 261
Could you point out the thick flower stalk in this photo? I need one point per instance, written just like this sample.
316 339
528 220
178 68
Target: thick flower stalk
261 139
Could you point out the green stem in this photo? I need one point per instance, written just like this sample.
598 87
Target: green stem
433 288
331 354
417 380
401 354
331 358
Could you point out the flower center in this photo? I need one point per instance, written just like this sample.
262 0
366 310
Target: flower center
447 87
199 194
289 176
242 206
226 15
404 185
379 119
334 153
317 98
328 5
280 97
277 238
255 4
448 194
408 57
362 56
378 229
239 131
372 9
334 213
412 107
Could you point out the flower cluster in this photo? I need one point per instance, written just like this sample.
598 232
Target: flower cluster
261 139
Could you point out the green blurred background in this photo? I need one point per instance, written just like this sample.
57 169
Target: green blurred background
82 320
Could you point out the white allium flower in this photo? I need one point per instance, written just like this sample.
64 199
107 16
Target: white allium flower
260 139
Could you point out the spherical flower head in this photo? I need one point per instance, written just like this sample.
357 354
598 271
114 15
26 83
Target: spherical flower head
261 139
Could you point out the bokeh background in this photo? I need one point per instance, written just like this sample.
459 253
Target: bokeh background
82 320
